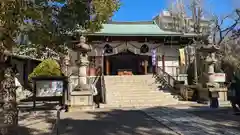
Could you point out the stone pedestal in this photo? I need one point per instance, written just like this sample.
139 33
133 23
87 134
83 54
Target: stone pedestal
81 100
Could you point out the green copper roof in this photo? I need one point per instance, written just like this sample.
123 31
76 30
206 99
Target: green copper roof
132 29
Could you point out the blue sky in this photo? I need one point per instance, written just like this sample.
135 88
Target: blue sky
142 10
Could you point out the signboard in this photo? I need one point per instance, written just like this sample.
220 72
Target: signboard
217 77
154 51
49 88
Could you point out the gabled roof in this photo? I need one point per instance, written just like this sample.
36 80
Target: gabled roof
133 29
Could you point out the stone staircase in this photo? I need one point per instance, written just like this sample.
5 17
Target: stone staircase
136 91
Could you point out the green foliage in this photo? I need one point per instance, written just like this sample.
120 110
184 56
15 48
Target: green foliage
13 16
48 67
73 16
86 15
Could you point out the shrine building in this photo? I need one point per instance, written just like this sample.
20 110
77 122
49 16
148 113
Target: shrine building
138 47
131 46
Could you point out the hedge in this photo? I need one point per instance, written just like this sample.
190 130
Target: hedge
48 67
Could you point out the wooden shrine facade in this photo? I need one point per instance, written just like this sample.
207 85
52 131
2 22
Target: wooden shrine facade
132 55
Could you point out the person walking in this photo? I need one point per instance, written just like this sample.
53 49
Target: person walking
235 94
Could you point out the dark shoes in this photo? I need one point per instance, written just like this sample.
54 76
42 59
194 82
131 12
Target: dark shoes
236 113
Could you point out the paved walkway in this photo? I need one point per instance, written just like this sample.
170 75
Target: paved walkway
111 122
36 123
194 122
171 120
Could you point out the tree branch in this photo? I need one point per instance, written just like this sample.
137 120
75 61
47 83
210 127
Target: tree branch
223 33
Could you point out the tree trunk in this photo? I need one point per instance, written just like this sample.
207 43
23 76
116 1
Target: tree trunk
64 63
8 110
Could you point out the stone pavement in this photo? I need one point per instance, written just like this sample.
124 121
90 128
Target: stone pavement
36 123
171 120
192 124
111 122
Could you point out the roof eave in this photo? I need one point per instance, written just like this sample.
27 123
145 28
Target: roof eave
143 35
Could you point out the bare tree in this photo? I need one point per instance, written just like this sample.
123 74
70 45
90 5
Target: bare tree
226 37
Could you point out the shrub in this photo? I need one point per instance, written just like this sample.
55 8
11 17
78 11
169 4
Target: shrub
48 67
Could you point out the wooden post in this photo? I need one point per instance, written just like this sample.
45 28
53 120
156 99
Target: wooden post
107 66
139 66
145 67
34 94
163 63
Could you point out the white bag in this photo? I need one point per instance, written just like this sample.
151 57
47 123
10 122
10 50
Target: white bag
94 89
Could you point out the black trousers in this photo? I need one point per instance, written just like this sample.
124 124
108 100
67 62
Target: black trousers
235 102
97 100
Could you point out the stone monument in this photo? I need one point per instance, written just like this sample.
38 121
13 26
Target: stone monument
81 97
212 84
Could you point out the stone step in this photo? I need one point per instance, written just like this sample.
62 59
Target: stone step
140 99
145 95
129 81
129 77
130 84
137 105
133 90
122 85
138 93
113 89
118 98
126 85
140 90
156 102
142 104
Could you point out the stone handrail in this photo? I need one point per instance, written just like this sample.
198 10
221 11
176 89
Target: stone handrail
171 82
167 77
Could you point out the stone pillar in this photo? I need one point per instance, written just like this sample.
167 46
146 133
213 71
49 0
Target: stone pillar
82 64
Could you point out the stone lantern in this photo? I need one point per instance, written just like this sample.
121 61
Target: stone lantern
82 62
82 95
210 60
211 84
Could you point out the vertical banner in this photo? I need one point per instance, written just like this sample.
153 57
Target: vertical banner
182 56
154 51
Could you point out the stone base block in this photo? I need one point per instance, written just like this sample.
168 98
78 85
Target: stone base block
81 108
81 100
223 96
